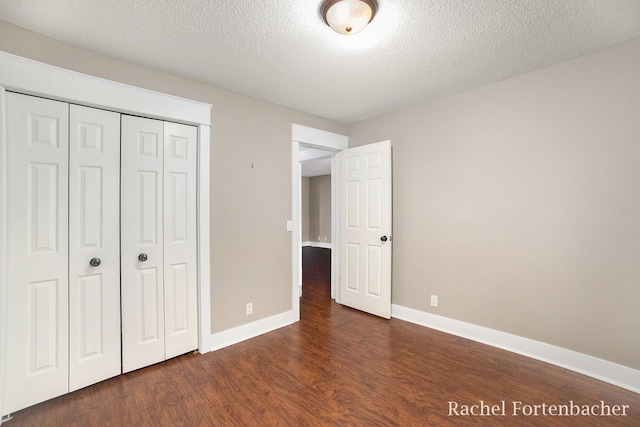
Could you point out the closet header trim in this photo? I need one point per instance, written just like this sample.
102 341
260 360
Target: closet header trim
36 78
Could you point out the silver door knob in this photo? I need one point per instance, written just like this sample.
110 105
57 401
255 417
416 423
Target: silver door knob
142 257
383 239
94 262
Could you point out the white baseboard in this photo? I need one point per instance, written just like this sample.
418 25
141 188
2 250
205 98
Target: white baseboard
600 369
250 330
318 244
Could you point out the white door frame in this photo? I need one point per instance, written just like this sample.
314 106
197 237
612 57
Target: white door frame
39 79
329 141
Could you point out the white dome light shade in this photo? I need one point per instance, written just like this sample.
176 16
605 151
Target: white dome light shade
348 16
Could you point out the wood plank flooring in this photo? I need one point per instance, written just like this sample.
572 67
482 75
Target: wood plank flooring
336 367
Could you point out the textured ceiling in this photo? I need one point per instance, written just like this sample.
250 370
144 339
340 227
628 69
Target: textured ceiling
282 52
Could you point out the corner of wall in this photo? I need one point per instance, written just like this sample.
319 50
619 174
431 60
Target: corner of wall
241 333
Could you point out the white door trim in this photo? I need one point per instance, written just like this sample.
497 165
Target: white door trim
329 141
335 227
3 234
36 78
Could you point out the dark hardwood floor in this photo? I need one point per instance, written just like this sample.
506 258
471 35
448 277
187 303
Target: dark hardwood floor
336 367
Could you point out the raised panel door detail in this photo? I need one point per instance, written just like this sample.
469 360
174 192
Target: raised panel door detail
374 161
353 164
177 206
176 293
37 281
94 233
179 147
42 213
374 204
91 314
43 130
91 136
148 143
149 214
353 267
353 204
43 349
373 263
148 319
91 206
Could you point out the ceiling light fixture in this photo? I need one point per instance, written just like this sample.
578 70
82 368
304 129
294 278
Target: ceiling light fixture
348 16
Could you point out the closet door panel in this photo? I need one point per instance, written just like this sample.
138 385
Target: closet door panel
94 246
180 272
142 148
37 277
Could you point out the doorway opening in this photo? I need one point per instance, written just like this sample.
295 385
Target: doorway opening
308 144
316 198
361 222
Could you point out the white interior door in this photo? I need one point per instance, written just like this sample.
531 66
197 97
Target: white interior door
142 242
37 275
365 267
180 272
94 246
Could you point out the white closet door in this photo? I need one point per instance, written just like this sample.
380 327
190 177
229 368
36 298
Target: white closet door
94 246
37 259
180 272
142 242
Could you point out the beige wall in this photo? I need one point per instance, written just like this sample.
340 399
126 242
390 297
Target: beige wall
305 208
250 247
320 209
518 204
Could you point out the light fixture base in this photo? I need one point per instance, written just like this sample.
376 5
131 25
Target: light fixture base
348 17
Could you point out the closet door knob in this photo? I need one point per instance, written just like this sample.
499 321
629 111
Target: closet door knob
94 262
383 239
142 257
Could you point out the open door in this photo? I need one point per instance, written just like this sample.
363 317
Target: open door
365 242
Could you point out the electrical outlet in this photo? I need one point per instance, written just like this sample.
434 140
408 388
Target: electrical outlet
434 300
249 308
